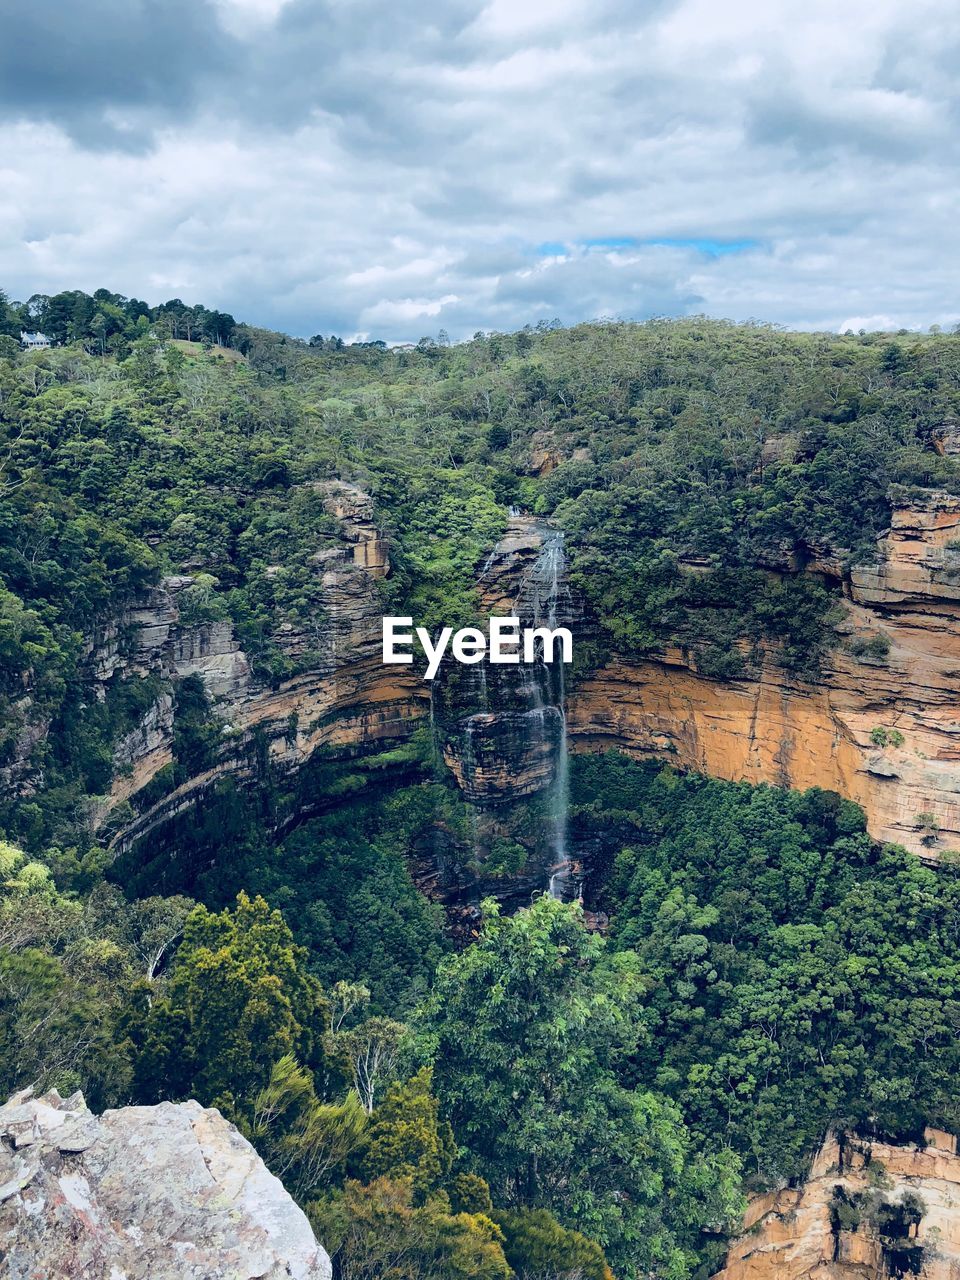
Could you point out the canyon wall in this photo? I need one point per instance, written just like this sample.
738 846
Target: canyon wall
867 1210
882 729
345 698
881 726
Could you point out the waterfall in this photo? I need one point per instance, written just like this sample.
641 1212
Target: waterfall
503 728
546 581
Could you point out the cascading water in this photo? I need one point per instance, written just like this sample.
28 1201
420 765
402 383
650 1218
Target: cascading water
502 728
546 584
540 597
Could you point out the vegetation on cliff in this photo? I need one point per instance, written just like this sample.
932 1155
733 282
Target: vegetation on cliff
546 1102
683 458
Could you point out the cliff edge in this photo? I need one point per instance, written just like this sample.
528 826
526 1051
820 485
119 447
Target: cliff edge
142 1193
882 724
867 1210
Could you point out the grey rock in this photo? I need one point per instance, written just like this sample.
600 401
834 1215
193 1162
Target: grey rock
880 767
143 1193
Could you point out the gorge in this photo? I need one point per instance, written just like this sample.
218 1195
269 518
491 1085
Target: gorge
880 731
530 960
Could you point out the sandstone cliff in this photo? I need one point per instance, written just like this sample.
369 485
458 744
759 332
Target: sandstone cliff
867 1209
775 729
881 726
345 698
142 1193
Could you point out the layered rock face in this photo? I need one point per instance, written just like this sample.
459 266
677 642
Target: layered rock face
142 1193
500 726
866 1210
347 698
881 726
882 729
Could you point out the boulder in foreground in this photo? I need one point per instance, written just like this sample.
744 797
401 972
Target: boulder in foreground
142 1193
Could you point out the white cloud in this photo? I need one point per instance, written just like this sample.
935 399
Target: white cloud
400 310
870 323
348 168
245 18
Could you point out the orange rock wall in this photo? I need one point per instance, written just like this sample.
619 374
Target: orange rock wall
791 733
788 1234
770 728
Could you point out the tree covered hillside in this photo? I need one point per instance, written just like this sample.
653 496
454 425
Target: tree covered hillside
676 442
547 1102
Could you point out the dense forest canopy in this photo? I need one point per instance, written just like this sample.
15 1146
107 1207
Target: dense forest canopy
546 1102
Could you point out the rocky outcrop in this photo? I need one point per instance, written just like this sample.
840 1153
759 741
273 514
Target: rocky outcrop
142 1193
345 697
867 1209
500 726
354 510
881 726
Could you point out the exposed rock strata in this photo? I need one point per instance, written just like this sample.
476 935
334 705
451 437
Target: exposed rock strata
768 728
142 1193
793 1235
775 729
346 699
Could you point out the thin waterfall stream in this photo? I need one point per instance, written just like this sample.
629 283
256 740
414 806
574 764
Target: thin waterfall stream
503 727
547 584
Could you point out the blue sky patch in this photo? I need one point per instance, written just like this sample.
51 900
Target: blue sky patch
710 248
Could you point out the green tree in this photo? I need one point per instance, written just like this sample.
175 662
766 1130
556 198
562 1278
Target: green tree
62 988
239 998
303 1141
376 1231
407 1140
530 1031
538 1248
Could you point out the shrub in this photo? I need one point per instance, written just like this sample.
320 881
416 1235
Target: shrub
875 648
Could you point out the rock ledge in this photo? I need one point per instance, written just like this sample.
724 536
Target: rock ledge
142 1193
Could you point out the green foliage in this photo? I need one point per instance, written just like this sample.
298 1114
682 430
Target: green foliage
770 970
530 1030
342 882
71 971
303 1141
875 648
406 1140
893 1222
376 1230
799 975
695 457
506 858
369 1054
538 1248
197 731
238 1000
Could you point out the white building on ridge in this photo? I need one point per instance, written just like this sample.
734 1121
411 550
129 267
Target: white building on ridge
33 341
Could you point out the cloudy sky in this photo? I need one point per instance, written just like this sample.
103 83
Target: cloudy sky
389 170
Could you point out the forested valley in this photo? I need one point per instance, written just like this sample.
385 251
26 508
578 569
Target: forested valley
555 1086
